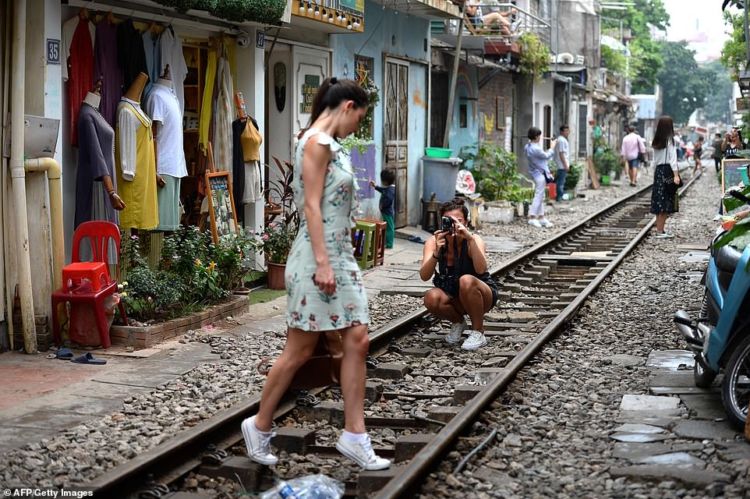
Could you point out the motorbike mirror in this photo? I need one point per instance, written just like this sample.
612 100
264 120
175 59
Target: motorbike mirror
740 196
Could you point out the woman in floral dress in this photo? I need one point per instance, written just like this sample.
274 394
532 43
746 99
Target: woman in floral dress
324 284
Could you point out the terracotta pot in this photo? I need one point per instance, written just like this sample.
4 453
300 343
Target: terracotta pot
275 276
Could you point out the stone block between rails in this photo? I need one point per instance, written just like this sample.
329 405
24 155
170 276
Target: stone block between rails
373 391
444 414
372 481
484 375
464 393
293 439
417 352
407 446
390 370
248 471
330 411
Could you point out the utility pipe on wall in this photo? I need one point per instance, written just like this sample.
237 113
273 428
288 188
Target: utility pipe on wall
54 177
18 175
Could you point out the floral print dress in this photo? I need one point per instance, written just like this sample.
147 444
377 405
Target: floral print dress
308 308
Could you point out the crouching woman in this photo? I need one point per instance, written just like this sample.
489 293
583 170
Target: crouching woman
456 260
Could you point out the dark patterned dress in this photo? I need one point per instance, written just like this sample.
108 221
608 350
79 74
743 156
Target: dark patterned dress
664 197
308 308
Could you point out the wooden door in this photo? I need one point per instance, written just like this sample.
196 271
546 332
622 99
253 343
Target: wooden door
395 134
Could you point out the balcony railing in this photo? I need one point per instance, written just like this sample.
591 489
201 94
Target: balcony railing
495 21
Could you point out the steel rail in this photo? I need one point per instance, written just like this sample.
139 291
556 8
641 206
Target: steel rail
422 463
168 456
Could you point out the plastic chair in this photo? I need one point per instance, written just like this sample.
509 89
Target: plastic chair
89 282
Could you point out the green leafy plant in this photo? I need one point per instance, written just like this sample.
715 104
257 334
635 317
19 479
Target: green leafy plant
366 127
606 161
495 170
353 142
260 11
613 60
574 175
276 241
535 55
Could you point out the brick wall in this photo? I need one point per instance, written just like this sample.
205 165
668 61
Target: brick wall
498 90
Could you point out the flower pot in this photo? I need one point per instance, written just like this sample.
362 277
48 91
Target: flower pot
275 276
606 180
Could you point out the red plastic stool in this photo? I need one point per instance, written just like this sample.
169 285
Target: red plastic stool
73 275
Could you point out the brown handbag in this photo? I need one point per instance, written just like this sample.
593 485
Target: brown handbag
322 369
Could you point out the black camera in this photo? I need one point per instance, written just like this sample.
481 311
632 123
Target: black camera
447 224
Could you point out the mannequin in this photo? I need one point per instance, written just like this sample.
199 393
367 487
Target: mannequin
135 158
246 158
96 193
164 108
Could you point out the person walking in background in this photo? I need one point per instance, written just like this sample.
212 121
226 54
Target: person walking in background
324 285
387 203
539 171
697 153
717 154
562 153
632 148
664 200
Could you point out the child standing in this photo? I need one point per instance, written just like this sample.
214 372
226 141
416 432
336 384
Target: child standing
387 203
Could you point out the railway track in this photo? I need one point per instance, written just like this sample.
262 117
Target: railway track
417 411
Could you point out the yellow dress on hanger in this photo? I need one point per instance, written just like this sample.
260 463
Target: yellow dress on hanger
139 193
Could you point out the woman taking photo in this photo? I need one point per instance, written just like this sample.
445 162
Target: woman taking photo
456 260
539 170
664 198
323 282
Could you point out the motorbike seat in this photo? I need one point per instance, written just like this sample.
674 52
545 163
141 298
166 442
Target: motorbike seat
726 258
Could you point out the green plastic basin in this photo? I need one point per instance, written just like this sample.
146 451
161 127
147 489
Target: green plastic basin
437 152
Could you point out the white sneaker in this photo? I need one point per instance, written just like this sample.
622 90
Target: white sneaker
362 454
536 223
476 340
258 443
663 235
457 329
546 223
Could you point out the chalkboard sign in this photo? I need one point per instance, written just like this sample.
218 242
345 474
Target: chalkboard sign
220 204
733 171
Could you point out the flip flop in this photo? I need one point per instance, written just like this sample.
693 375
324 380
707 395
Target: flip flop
87 358
64 353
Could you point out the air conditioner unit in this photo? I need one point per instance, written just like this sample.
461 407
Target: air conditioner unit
565 58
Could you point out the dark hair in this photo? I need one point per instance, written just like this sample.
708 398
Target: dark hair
718 135
700 138
563 128
388 176
664 134
455 204
534 132
631 129
333 92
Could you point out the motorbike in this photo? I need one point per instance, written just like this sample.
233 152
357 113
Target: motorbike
720 336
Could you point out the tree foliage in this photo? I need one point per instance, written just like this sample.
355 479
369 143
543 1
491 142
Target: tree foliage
717 103
734 52
646 60
685 85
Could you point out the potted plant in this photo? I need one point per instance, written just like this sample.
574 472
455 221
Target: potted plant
605 161
535 55
282 224
571 181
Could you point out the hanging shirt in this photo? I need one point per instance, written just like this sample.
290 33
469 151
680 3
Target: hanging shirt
80 70
130 53
164 109
170 49
223 117
96 159
205 117
105 67
68 30
250 140
152 51
134 145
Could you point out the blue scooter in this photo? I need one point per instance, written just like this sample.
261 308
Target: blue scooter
720 336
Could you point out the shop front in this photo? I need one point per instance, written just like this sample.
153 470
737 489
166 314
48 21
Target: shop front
149 101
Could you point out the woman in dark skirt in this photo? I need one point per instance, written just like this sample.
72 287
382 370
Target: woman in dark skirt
664 198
